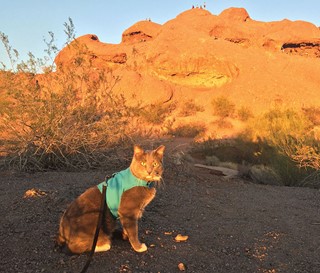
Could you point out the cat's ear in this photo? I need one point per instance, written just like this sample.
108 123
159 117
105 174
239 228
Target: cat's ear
137 150
160 150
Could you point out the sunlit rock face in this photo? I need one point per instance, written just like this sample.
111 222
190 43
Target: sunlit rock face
201 55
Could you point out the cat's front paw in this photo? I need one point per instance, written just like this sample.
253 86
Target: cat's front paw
142 248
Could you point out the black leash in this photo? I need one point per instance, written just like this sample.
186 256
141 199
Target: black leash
95 239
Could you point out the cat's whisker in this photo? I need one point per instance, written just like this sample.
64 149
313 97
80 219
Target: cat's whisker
161 183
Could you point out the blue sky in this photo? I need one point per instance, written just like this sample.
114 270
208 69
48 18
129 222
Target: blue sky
27 22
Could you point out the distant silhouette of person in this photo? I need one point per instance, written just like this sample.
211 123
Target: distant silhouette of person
204 5
37 85
193 6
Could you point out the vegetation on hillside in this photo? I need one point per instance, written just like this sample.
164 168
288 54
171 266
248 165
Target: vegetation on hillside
69 117
281 141
66 117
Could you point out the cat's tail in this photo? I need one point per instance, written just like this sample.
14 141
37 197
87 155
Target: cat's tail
60 240
61 244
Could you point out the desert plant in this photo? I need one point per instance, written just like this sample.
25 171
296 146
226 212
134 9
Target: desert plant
223 123
294 151
281 140
192 129
65 119
223 107
313 114
279 126
244 113
190 108
156 113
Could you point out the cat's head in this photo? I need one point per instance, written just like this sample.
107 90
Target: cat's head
147 165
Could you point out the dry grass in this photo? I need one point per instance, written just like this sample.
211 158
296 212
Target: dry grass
193 129
66 119
280 139
223 107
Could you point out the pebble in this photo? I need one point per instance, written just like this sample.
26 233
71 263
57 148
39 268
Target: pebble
181 267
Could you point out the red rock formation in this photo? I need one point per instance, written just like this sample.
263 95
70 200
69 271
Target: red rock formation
201 55
141 32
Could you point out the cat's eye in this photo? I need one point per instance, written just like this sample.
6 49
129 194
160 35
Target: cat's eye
143 163
155 164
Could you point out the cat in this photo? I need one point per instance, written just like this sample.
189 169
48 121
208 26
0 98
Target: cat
79 221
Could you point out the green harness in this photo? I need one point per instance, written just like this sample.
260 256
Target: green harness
117 185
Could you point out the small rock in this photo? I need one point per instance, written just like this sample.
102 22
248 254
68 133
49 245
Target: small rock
181 267
181 238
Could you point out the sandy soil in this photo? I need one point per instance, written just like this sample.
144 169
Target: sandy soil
233 225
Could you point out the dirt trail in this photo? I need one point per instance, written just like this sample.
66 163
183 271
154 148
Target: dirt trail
233 225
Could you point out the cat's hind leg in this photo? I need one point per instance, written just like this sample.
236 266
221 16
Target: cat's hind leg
103 243
102 248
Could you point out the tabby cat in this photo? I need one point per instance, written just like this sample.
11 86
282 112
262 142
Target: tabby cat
128 193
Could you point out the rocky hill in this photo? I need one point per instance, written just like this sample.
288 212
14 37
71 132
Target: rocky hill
200 55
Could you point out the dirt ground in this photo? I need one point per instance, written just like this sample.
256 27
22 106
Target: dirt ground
233 225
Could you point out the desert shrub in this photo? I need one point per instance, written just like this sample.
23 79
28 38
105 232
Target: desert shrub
305 152
67 118
235 150
156 113
313 114
190 108
279 127
250 154
63 120
244 113
223 107
192 129
291 133
279 140
223 123
263 174
293 152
